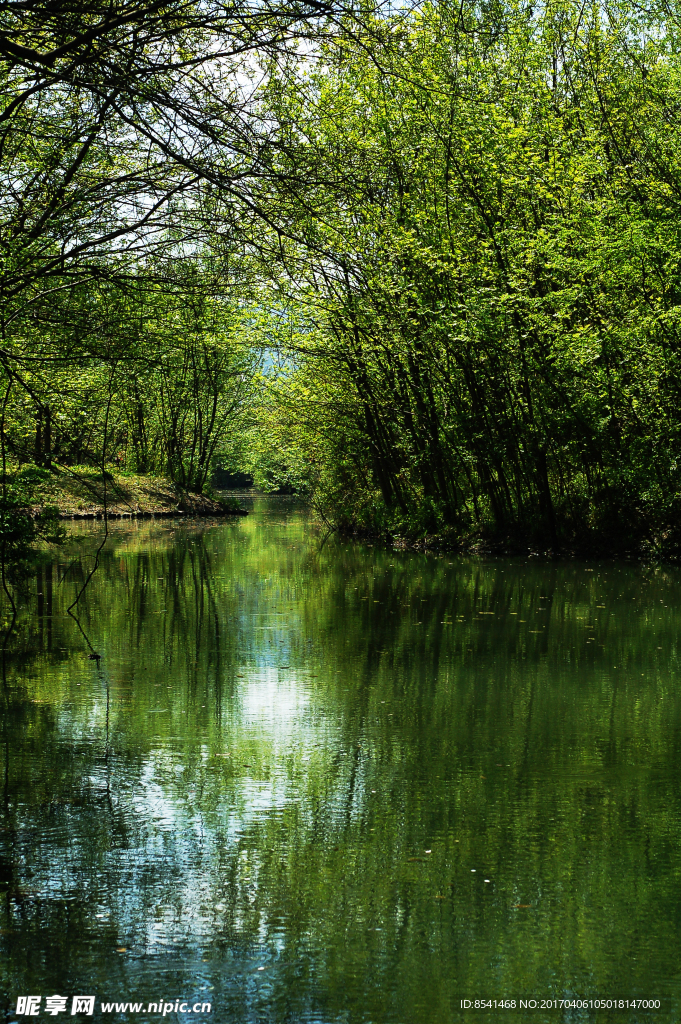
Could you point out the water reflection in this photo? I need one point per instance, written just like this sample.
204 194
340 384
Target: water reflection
338 783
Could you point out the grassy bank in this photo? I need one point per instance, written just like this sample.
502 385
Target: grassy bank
83 493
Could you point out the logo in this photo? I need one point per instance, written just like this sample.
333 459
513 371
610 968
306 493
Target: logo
29 1006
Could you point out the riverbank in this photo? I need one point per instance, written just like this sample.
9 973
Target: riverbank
664 547
85 494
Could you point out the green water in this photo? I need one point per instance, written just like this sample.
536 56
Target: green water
330 782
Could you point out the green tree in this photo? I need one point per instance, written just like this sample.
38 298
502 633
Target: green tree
492 269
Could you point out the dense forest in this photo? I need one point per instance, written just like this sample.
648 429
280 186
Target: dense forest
420 263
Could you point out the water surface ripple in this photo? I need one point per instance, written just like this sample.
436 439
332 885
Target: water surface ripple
327 782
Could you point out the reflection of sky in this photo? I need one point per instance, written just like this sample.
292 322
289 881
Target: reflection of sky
191 821
211 775
277 705
184 803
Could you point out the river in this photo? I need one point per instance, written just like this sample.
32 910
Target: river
312 780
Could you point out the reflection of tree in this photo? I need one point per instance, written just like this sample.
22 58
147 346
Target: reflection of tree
491 750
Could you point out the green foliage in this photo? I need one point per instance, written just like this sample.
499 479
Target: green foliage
21 524
458 246
489 249
147 379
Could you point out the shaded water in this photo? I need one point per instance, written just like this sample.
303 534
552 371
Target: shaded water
334 782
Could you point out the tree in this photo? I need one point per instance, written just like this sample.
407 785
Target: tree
492 268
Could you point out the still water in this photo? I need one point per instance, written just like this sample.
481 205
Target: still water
314 781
